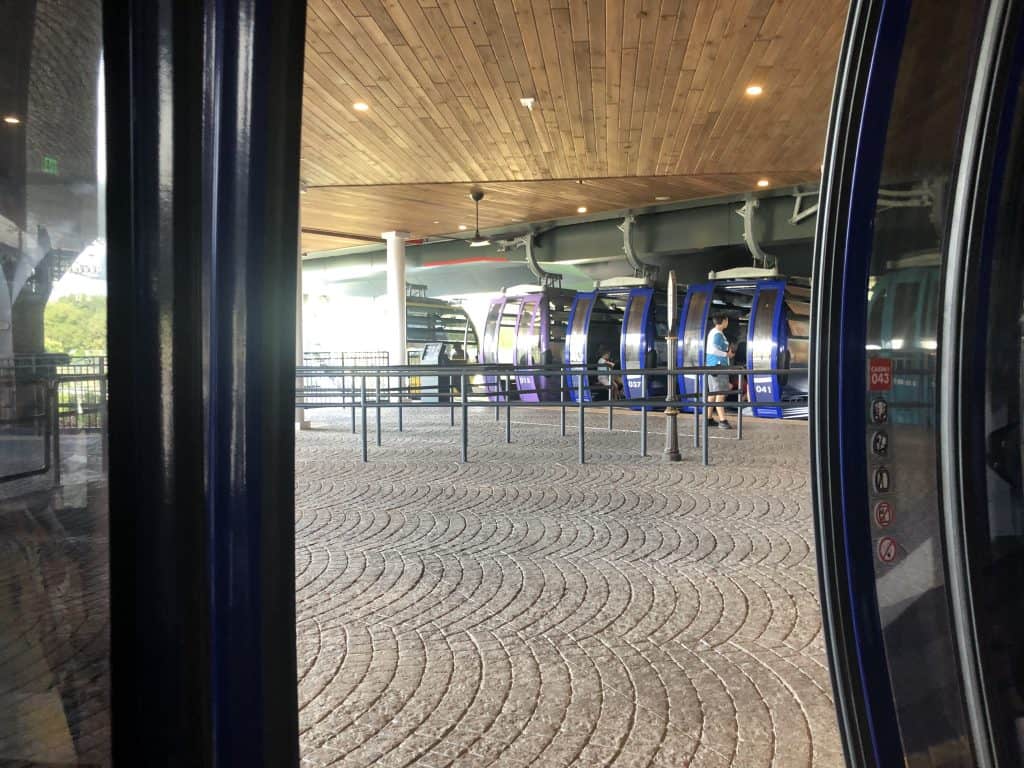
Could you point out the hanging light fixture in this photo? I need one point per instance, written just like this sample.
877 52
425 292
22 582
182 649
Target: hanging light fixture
477 240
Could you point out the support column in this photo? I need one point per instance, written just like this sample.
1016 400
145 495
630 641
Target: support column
301 422
396 296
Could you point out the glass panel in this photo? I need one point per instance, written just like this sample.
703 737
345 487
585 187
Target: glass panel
578 337
54 603
635 333
996 543
507 332
901 442
693 330
764 328
490 353
527 340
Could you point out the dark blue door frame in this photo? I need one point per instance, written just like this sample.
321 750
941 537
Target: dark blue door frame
853 158
203 115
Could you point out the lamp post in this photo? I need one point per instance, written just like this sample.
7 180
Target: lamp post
671 414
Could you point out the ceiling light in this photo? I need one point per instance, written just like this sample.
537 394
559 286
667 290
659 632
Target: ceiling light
361 106
754 90
11 119
763 182
581 209
436 221
463 226
527 102
661 198
303 187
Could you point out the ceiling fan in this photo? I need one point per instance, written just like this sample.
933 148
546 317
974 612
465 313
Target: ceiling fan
477 240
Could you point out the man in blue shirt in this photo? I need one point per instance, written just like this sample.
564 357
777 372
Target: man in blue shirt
717 352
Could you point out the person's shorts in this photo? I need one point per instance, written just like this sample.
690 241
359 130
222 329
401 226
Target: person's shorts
719 382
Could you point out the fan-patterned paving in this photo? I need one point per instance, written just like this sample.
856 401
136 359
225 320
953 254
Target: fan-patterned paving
523 610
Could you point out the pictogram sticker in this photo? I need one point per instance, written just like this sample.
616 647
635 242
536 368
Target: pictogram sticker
887 548
880 443
879 374
881 480
883 514
879 411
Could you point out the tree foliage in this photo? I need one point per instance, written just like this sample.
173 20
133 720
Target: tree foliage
76 325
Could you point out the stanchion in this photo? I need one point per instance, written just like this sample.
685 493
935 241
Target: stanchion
579 397
508 411
55 409
561 398
451 403
376 399
400 386
704 420
610 409
103 418
350 389
739 410
497 397
643 416
362 410
465 420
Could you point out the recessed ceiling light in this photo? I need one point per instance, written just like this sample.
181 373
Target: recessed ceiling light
661 197
303 187
581 209
528 102
763 182
361 106
754 90
11 119
436 221
463 226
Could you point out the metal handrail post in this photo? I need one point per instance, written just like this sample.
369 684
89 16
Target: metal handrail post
55 405
582 439
739 410
465 420
103 418
376 399
362 410
610 411
508 411
704 421
561 398
451 402
497 397
400 386
350 391
643 416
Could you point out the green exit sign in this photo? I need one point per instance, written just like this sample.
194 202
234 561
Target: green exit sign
49 164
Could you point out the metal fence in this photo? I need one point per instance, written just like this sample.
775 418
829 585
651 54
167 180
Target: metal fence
362 390
41 396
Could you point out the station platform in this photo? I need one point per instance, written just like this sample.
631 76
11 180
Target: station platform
524 610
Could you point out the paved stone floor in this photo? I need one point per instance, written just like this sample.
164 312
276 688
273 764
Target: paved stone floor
522 610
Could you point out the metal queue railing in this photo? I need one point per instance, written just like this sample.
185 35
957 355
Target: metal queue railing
41 395
460 388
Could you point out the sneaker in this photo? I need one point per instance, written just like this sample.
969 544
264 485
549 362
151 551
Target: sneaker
724 425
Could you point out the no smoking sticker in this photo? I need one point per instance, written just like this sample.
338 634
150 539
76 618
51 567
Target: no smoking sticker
883 514
887 549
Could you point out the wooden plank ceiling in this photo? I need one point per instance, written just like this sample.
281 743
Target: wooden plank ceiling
624 89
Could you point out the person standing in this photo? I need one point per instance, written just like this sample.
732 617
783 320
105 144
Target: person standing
717 353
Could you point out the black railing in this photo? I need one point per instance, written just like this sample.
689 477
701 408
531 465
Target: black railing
483 386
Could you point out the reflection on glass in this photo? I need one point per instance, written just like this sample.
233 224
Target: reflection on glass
507 332
54 607
764 329
911 217
527 340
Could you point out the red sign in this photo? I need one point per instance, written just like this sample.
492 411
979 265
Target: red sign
887 549
883 514
879 374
